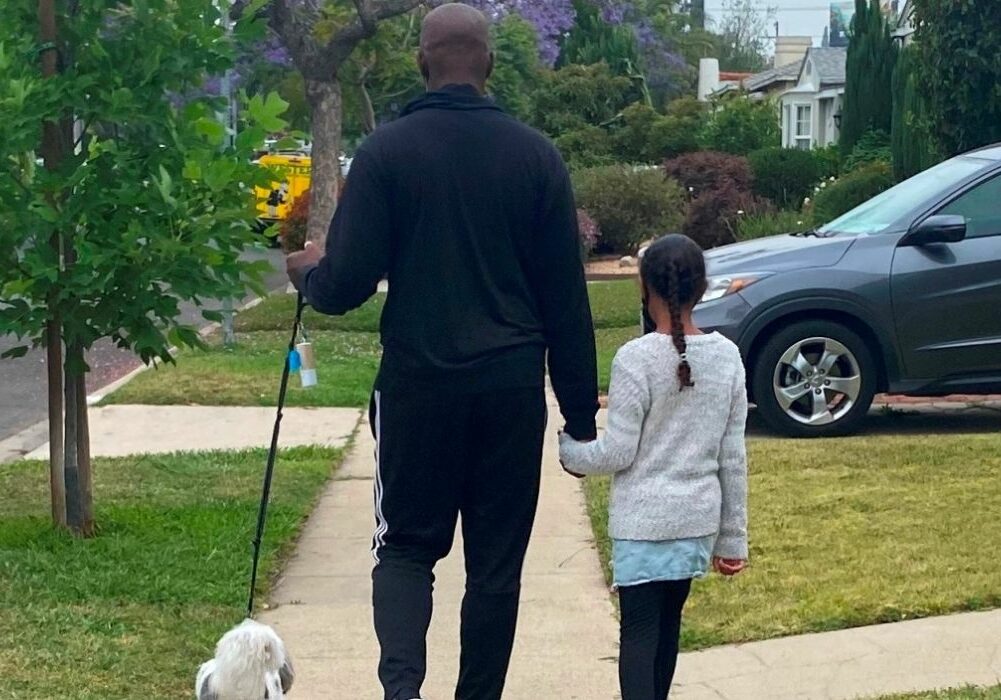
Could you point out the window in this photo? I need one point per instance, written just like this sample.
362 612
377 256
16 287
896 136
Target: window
804 127
883 210
982 208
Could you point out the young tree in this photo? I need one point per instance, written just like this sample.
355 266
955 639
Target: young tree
872 55
321 37
141 203
959 46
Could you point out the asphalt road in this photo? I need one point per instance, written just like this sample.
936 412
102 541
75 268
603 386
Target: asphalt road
22 381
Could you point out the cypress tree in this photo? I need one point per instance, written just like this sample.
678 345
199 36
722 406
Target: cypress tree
872 55
911 142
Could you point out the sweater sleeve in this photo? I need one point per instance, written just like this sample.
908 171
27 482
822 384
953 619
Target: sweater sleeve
628 404
358 244
561 292
732 540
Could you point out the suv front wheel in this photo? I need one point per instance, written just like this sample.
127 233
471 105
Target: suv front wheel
814 379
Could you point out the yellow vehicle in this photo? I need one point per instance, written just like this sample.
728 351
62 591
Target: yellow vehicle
294 169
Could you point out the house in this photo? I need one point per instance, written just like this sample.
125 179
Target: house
811 110
713 82
774 81
906 24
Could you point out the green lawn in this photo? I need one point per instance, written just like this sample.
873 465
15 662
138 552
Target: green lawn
347 353
249 374
853 532
132 612
955 694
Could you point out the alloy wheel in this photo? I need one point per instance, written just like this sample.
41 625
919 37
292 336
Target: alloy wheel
817 381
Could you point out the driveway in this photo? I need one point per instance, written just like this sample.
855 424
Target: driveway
23 398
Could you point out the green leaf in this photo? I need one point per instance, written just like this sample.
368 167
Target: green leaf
267 112
165 184
15 352
212 130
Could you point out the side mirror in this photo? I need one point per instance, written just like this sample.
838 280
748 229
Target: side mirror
944 228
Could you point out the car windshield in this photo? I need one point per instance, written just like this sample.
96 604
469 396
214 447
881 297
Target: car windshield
875 215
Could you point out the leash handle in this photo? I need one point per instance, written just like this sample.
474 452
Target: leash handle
262 513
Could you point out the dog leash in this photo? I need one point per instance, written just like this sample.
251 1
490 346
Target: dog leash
262 513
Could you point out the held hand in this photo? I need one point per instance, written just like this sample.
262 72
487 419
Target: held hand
563 436
299 263
728 567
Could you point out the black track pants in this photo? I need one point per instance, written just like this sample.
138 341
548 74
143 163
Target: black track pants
440 455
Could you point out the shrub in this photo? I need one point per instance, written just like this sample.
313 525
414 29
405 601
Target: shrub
873 147
630 204
590 233
851 190
632 137
714 215
754 226
828 161
740 126
292 233
671 137
575 96
784 175
708 170
586 147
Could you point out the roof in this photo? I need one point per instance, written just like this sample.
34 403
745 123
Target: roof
786 73
992 152
829 62
734 76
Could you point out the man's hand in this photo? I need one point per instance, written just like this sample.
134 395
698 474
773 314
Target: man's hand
300 263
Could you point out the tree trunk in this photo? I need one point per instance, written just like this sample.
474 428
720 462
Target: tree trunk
52 151
54 367
79 488
325 100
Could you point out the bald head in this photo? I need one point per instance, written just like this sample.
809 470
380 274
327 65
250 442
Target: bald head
455 47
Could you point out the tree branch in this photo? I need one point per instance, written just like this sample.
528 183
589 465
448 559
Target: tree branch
370 13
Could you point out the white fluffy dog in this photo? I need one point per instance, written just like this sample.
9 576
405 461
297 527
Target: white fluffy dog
250 663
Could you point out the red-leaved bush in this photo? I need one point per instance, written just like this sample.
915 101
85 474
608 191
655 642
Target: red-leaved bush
709 170
292 233
713 215
719 193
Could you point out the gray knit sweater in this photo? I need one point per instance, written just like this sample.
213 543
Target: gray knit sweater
678 457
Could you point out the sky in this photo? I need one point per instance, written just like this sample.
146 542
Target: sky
795 17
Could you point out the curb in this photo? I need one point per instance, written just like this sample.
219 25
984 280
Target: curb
34 436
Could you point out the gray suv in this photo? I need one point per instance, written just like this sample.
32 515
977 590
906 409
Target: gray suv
901 294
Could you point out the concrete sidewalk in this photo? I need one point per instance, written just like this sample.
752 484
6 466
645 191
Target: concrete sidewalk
116 431
865 662
567 634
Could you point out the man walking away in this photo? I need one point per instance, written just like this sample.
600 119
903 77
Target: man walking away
471 215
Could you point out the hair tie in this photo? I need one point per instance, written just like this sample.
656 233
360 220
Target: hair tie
684 357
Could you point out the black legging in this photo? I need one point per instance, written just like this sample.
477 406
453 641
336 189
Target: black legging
648 642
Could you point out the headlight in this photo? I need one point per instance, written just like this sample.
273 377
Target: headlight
720 286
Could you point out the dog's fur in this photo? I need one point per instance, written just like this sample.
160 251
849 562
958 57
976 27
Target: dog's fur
250 663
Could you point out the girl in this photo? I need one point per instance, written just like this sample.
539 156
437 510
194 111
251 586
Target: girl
675 443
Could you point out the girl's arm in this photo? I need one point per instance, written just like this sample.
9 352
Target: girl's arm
732 540
628 403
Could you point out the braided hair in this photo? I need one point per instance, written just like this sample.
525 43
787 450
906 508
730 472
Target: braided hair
674 269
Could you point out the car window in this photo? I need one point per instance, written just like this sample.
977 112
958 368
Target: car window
981 207
876 215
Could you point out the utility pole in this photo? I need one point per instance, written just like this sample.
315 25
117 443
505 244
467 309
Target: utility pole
229 123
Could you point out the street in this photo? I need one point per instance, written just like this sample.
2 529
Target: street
23 399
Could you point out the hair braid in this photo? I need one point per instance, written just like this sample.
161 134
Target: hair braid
677 327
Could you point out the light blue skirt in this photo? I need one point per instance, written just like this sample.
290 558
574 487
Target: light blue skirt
636 561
